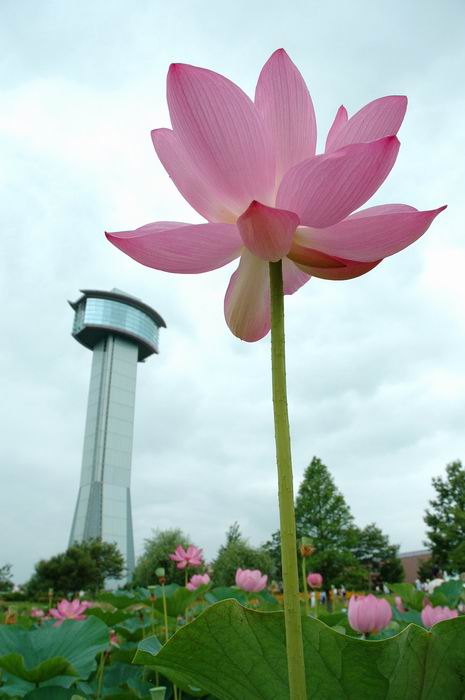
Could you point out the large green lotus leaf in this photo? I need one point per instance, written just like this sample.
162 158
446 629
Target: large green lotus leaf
236 653
448 593
52 694
409 594
226 593
41 654
134 629
177 602
110 617
41 672
119 599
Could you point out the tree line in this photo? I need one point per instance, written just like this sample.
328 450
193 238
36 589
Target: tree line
345 554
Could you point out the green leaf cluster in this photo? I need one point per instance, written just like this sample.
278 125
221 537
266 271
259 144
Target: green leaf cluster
236 653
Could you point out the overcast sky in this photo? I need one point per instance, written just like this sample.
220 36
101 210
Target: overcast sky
376 367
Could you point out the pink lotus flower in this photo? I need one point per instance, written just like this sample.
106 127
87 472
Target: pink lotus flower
197 580
192 556
368 613
69 610
114 640
399 605
251 581
430 616
37 613
315 580
250 169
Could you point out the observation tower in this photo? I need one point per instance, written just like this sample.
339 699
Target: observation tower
121 331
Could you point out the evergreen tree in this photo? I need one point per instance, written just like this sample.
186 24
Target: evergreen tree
156 554
446 520
375 553
237 553
323 514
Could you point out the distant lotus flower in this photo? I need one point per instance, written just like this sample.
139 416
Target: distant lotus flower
368 613
315 580
251 581
192 556
198 580
249 168
69 610
114 641
37 613
430 616
399 605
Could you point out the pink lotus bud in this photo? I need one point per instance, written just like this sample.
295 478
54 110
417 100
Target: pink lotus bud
399 604
192 556
251 581
315 580
37 613
430 616
197 580
369 614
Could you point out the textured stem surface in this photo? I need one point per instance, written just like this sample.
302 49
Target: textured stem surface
294 644
305 587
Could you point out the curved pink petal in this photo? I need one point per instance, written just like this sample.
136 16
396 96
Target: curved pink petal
220 128
202 195
325 189
247 300
371 234
176 247
283 100
349 271
293 277
340 120
380 118
267 232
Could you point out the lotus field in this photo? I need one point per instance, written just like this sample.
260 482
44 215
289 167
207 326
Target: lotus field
196 641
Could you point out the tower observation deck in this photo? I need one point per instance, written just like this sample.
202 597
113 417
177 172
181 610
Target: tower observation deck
121 331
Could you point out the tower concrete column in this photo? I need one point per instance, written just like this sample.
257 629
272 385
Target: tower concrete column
121 331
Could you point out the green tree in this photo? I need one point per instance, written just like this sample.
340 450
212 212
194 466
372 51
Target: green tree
238 553
375 553
6 578
323 514
445 520
84 566
156 554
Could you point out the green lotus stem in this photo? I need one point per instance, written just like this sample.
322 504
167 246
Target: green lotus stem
101 669
305 587
165 611
294 642
153 615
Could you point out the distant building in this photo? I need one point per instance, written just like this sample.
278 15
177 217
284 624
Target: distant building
411 561
121 331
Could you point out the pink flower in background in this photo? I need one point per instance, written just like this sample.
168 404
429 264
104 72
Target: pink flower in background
37 613
192 556
250 169
399 605
368 613
198 580
430 616
114 641
315 580
251 581
69 610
